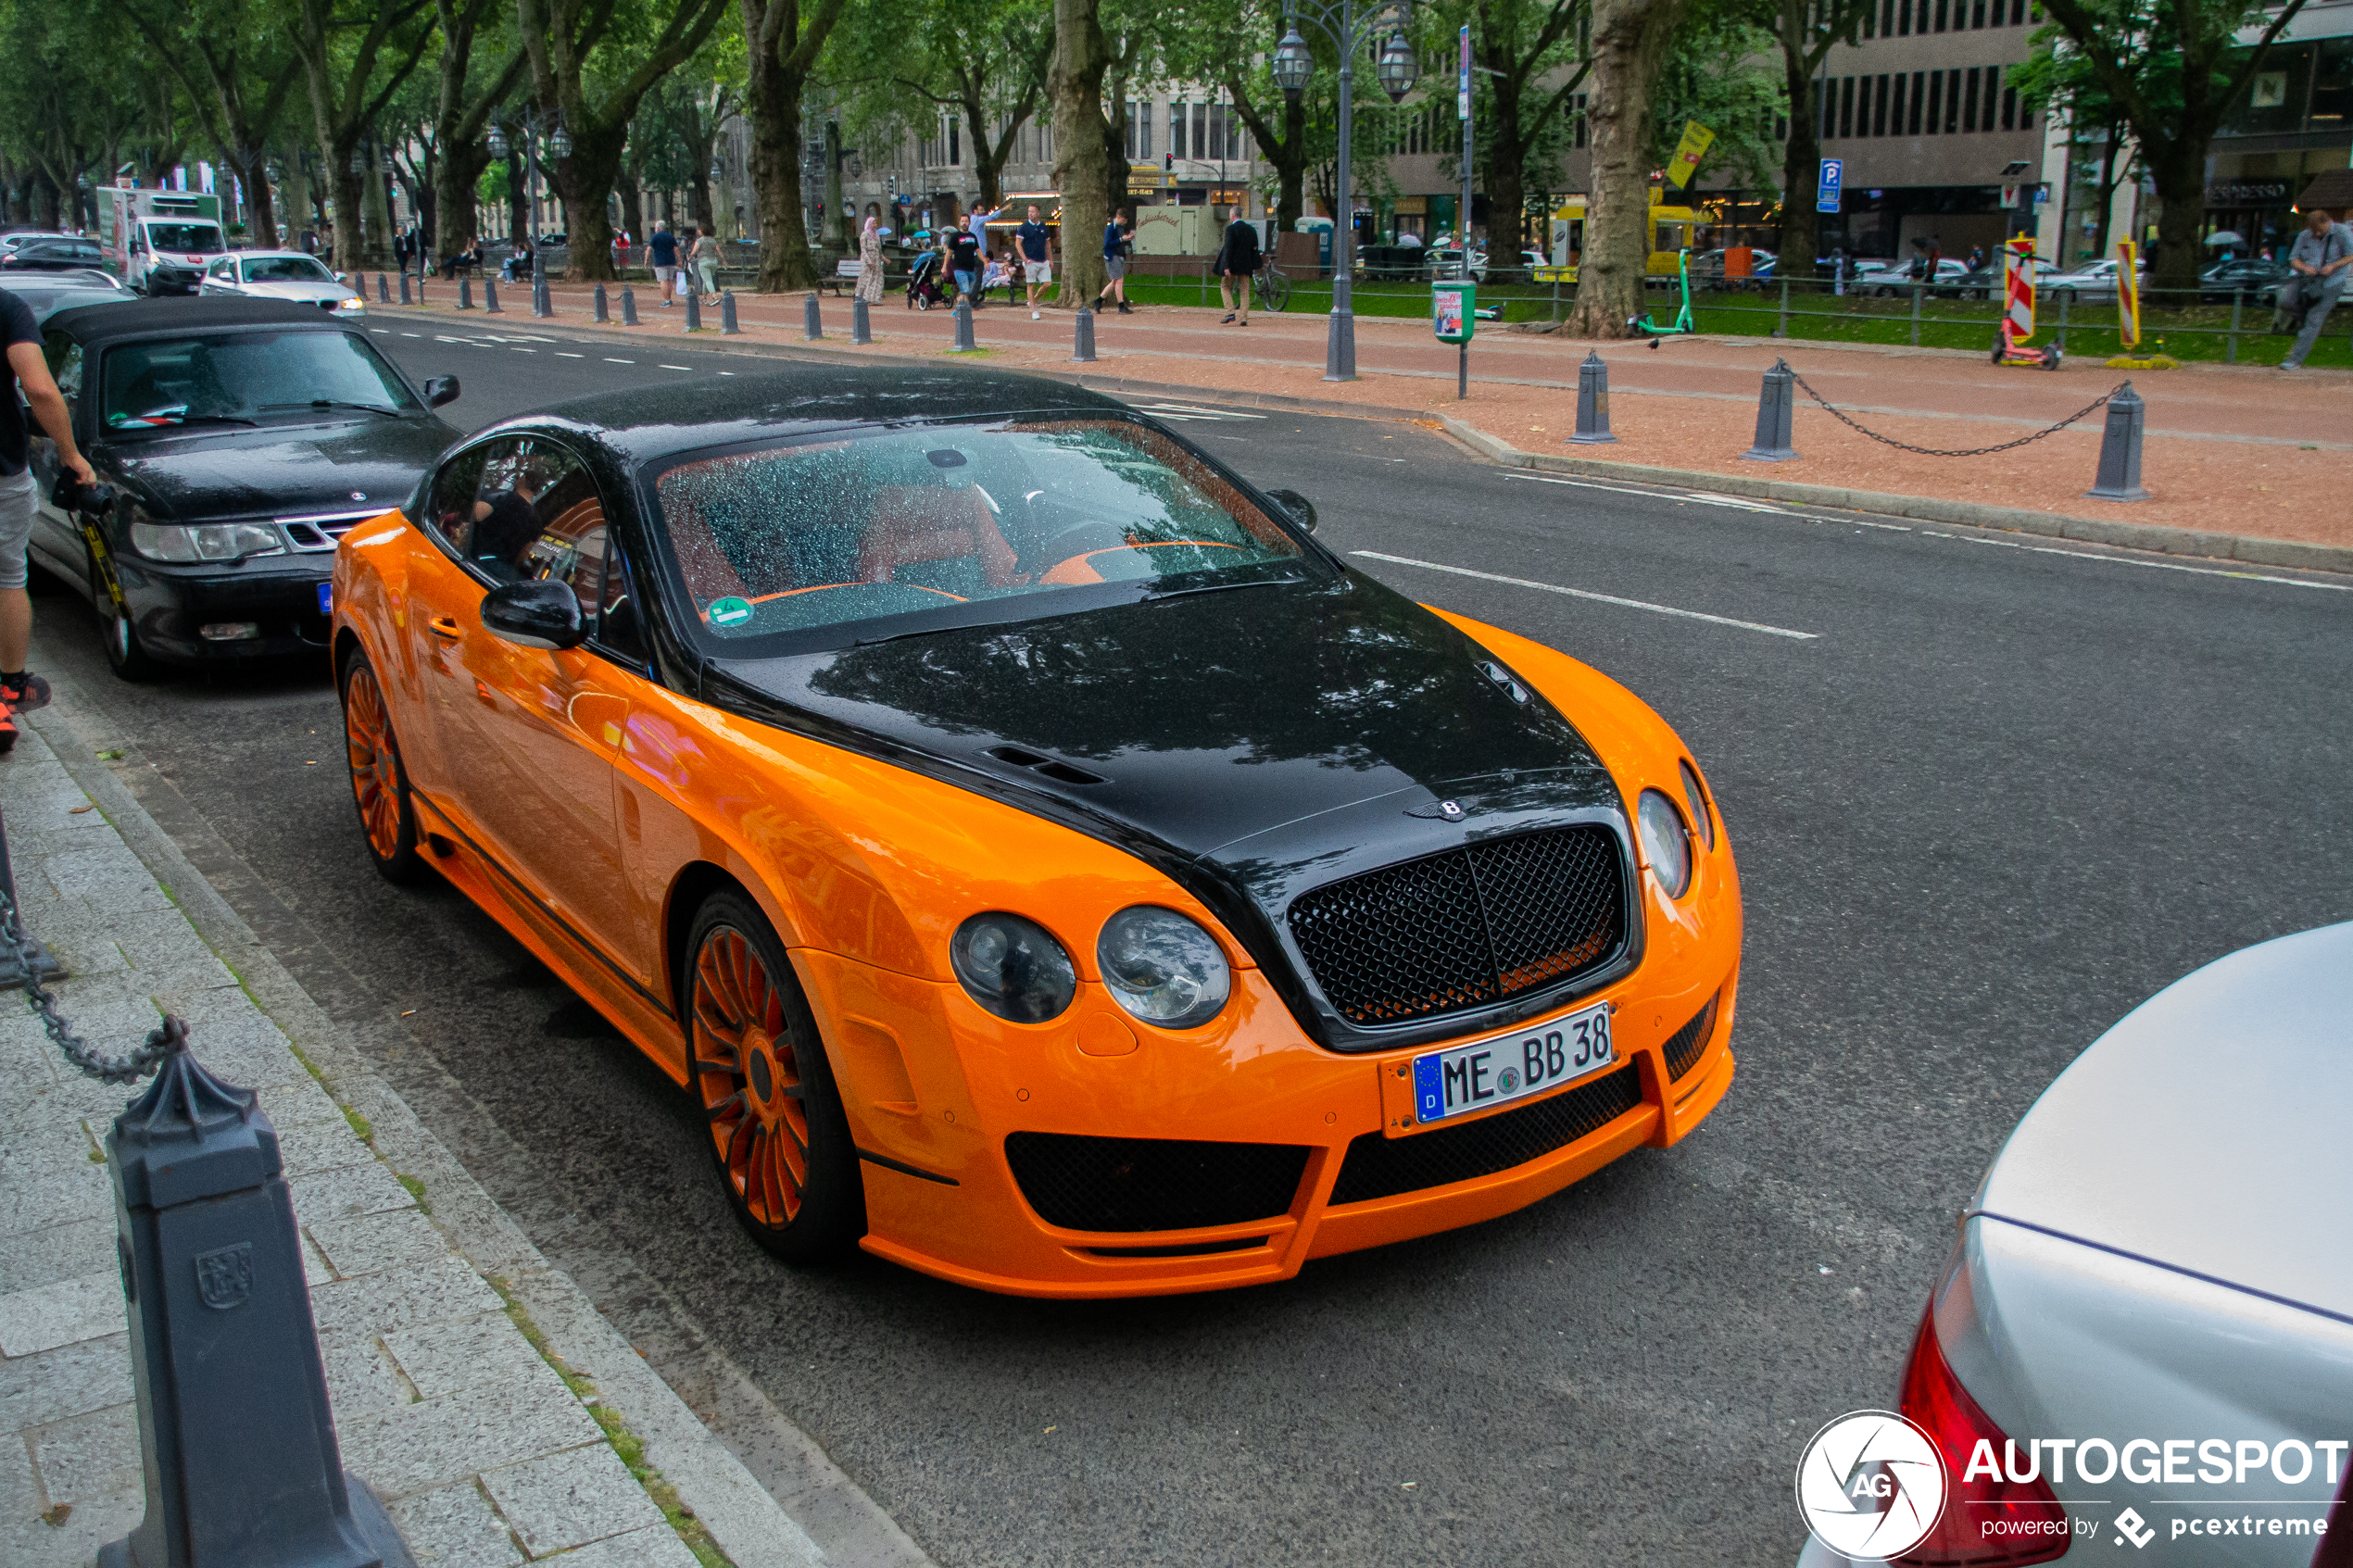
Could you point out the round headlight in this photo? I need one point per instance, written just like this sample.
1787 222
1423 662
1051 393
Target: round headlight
1012 967
1697 799
1163 967
1664 843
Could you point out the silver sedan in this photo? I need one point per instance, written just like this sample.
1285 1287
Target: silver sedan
279 274
2142 1348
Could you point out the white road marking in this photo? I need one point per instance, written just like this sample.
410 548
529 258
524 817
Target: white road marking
561 355
411 335
1599 598
1743 502
1187 411
380 331
2131 560
726 373
610 361
686 368
512 349
1587 484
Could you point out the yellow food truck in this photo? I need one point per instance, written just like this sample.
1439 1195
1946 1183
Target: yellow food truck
1671 229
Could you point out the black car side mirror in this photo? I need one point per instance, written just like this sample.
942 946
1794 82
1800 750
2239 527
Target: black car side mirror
540 614
1302 510
440 389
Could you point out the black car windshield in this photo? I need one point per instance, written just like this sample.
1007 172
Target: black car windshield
244 375
184 236
286 270
880 533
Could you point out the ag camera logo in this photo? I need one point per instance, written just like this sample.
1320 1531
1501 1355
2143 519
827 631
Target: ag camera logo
1871 1485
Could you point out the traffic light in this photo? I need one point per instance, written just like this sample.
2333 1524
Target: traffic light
1168 162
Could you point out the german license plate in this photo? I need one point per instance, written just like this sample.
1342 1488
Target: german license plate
326 599
1508 1067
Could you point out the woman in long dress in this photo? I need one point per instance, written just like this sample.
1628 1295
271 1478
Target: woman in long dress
870 263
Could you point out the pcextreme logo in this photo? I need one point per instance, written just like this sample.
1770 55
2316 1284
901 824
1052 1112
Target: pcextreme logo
1871 1485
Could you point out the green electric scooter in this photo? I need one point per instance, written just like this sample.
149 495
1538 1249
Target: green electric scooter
1683 325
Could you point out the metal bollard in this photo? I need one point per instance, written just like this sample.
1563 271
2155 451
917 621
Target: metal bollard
242 1461
404 286
861 328
1082 348
727 314
466 291
604 311
1774 405
490 295
963 314
2119 475
383 290
540 303
628 306
813 321
1592 402
694 311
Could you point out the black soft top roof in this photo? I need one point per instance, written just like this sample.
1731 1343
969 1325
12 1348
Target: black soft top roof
93 324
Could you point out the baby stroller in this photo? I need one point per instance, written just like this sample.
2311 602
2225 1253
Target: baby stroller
923 282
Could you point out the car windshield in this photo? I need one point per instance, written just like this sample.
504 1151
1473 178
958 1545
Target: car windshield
286 270
184 236
245 376
881 533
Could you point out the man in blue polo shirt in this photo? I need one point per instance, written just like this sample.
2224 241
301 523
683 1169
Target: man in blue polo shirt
661 252
1036 263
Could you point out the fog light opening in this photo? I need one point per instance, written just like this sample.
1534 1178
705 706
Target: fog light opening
230 632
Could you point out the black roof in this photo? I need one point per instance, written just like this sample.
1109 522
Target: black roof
187 313
665 418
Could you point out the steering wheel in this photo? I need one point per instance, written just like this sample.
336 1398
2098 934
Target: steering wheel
1056 547
1077 565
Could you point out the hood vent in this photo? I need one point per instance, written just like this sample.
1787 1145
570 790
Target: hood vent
1044 766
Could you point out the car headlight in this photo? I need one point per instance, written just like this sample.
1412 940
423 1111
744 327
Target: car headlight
1163 967
1666 843
1013 967
1697 797
205 540
354 302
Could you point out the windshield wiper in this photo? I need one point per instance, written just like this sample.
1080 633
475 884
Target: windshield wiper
335 403
140 421
1220 587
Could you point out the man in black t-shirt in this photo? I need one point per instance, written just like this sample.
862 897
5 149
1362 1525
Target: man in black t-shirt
506 525
22 334
963 259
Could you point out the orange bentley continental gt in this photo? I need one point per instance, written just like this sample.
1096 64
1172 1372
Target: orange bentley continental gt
1046 864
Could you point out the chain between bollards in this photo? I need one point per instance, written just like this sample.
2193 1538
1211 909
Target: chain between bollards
1968 452
167 1036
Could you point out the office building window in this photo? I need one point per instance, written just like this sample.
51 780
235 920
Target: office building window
2009 108
1969 101
2018 13
955 147
1175 128
1977 13
1902 18
1941 8
1895 106
1871 22
1140 121
1781 129
1200 130
1846 105
1935 101
1580 112
1878 108
1952 101
1887 19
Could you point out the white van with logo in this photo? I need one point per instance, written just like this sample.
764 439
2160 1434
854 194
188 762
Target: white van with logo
159 242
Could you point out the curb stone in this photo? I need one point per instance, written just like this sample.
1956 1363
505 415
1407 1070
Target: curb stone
756 1527
2116 532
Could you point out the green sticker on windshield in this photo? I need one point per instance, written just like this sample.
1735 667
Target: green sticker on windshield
727 612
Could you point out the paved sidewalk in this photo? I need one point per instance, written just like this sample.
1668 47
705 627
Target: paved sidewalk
2231 449
474 1388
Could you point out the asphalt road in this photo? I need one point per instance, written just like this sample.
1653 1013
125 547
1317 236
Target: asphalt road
2002 791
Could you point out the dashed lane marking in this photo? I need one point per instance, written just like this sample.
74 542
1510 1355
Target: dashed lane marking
2135 561
561 355
610 361
689 369
1598 598
1187 411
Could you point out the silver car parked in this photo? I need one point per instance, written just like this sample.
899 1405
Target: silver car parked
280 275
2142 1350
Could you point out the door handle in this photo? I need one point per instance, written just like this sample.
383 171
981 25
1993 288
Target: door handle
444 626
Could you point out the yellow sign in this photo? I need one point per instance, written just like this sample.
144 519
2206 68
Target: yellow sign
2128 292
1698 139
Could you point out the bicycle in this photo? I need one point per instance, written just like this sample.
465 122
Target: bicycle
1274 289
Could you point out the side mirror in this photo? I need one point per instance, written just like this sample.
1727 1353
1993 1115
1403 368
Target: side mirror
1302 510
343 277
440 389
535 615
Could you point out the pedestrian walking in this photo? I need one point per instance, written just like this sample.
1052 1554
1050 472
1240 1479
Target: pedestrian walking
963 259
1037 255
870 261
20 691
1118 238
661 252
620 252
1237 262
704 259
2320 261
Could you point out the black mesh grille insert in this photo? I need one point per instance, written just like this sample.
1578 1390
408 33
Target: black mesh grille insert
1466 928
1382 1167
1684 1046
1085 1184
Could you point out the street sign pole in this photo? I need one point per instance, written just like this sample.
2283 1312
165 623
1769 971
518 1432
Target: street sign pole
1462 237
1834 179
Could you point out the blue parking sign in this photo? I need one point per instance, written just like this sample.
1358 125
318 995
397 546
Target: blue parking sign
1833 178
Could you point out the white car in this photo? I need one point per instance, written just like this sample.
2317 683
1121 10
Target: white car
2091 285
282 275
2145 1335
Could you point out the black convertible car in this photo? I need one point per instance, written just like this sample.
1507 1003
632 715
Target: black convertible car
240 440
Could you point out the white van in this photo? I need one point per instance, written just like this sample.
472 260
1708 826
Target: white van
159 242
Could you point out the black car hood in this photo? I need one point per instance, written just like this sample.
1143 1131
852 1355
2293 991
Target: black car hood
1252 742
311 465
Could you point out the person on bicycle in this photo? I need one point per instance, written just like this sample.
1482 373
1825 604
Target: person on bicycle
1118 238
1237 262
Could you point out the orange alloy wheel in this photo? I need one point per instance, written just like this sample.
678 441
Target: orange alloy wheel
385 814
749 1074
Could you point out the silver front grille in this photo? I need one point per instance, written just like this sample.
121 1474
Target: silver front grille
318 531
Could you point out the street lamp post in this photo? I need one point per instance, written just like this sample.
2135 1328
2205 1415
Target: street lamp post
539 130
1348 32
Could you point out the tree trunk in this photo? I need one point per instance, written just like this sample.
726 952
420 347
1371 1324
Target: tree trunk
1801 161
344 191
773 93
1074 83
297 185
584 180
376 208
837 232
633 205
2180 173
1506 177
1631 39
